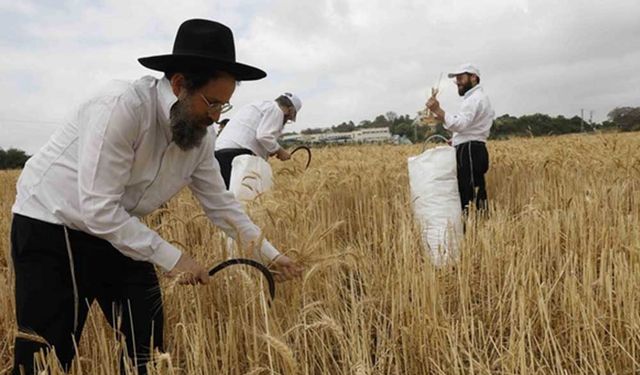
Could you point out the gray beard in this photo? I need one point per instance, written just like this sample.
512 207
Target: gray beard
187 132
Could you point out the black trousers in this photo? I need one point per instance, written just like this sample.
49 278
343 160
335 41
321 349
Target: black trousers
225 157
473 162
46 305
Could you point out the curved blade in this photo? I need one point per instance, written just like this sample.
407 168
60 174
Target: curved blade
308 150
265 271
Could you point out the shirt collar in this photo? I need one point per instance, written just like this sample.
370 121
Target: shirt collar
470 92
166 99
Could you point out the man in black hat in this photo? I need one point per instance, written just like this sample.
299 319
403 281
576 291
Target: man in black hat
76 235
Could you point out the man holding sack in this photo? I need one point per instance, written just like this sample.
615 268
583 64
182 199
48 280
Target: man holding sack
470 127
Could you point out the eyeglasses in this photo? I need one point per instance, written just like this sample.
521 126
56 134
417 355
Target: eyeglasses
217 107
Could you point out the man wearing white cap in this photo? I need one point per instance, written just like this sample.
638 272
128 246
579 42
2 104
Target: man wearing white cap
255 130
470 127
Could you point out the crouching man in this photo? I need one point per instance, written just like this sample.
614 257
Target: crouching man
76 235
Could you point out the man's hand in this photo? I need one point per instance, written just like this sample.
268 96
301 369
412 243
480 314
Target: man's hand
286 269
283 154
189 271
433 104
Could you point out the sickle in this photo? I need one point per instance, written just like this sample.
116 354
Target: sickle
308 150
265 271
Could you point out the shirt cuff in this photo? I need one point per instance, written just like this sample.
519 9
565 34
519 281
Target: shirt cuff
268 251
273 148
166 256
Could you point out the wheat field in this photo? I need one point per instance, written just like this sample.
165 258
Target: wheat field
547 284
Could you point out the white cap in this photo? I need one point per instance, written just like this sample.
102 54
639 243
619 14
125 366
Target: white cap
297 103
465 68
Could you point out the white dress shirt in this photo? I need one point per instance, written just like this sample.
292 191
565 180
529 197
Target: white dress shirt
114 161
474 120
256 127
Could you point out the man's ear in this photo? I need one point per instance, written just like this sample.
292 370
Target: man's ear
177 83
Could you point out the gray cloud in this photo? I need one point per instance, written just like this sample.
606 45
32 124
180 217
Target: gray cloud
348 60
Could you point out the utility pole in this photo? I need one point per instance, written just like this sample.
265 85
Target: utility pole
581 120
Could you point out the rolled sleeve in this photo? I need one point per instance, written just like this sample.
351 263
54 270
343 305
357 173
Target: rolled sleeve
460 121
165 256
106 149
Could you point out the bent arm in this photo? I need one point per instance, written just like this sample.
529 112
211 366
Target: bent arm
105 158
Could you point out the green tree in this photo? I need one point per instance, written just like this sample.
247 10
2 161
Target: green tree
380 122
344 127
313 131
391 116
402 129
13 158
626 118
537 124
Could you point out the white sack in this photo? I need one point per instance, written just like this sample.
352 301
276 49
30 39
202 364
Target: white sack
436 202
250 177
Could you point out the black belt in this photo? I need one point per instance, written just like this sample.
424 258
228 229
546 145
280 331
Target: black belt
471 143
234 151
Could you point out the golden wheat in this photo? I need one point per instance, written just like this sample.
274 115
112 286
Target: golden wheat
548 284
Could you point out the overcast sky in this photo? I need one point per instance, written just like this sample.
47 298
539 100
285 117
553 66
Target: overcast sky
346 59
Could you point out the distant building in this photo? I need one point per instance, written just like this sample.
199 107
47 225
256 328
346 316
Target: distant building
372 135
312 138
291 138
335 138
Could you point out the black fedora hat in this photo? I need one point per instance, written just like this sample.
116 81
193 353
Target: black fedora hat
203 45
